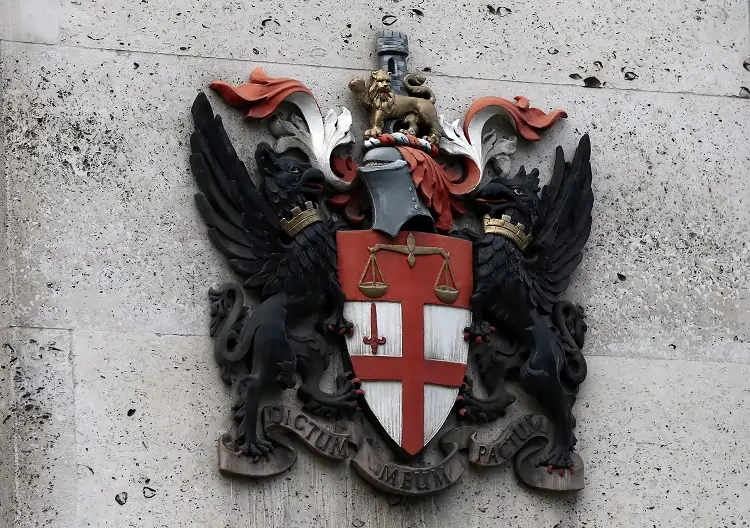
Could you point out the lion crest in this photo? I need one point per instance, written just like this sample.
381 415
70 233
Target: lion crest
415 112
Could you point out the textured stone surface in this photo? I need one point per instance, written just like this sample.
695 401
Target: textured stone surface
44 426
30 20
6 292
701 45
151 410
8 359
99 151
665 444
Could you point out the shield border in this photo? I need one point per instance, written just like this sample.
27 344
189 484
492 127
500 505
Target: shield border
350 272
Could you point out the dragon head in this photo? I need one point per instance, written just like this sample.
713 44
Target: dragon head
516 197
287 182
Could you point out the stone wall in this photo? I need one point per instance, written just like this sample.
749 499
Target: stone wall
107 382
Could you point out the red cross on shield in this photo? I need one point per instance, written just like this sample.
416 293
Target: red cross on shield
409 300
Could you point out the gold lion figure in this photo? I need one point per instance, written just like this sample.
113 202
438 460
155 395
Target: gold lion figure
417 109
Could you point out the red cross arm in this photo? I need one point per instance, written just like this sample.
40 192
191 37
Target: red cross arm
383 368
386 368
444 373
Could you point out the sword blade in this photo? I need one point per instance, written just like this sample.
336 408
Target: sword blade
374 340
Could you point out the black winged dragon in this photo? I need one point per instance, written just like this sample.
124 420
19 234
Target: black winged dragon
519 279
277 239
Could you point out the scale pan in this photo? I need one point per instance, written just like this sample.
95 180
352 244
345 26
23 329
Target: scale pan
446 294
373 290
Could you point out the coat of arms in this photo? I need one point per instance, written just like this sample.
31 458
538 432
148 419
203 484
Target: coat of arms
423 259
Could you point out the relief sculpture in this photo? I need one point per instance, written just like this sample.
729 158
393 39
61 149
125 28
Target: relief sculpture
366 262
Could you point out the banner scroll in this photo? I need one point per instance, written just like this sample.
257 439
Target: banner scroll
525 441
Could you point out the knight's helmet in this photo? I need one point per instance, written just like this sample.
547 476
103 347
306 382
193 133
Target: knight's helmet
393 48
394 198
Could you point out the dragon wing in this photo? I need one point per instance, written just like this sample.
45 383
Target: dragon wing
562 227
241 223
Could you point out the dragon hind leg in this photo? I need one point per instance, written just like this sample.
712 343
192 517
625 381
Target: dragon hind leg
313 358
540 377
272 361
493 361
248 443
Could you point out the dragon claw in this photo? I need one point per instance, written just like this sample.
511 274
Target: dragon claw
342 402
477 409
479 332
338 326
559 460
255 449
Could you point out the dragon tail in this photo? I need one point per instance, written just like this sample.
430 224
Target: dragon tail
228 324
570 326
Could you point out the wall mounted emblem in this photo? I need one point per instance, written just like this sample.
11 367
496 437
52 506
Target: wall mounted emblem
423 259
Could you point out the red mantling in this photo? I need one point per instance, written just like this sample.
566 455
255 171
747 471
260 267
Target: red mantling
439 187
353 202
529 121
262 95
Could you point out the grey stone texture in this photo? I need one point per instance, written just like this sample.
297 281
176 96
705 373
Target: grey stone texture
693 46
30 20
107 263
